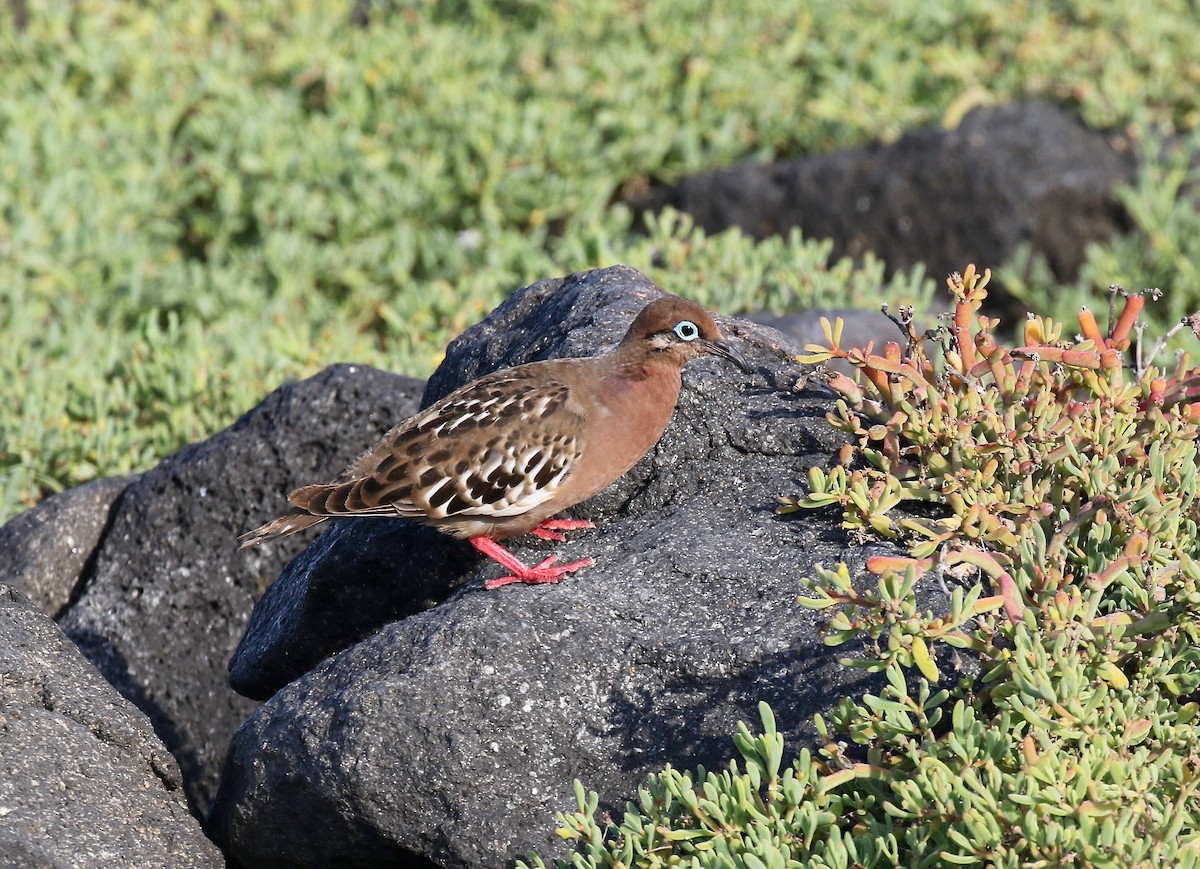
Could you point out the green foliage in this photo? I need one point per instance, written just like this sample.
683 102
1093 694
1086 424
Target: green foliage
731 272
291 185
86 408
1067 491
755 814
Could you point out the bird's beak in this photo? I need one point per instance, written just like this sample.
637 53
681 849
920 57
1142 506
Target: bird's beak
720 348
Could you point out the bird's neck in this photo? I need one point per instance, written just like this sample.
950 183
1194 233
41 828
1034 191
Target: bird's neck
638 365
641 391
628 403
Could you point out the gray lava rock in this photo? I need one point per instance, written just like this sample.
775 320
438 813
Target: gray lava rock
1028 172
452 735
168 593
84 781
44 552
364 573
326 600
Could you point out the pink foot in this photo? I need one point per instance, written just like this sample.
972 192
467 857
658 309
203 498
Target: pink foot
548 529
545 571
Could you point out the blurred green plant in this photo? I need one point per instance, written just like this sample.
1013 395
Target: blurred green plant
298 185
1066 484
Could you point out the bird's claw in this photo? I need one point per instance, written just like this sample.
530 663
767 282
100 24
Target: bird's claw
551 529
541 573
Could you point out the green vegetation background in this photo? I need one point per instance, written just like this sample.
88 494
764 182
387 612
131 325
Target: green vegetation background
200 199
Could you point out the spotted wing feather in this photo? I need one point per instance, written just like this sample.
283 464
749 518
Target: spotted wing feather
498 448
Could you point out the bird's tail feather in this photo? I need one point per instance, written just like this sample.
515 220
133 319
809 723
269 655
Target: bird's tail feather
288 523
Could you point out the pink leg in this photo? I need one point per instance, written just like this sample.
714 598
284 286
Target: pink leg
548 529
522 572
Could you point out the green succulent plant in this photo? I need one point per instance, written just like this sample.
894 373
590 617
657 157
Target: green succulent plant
1059 479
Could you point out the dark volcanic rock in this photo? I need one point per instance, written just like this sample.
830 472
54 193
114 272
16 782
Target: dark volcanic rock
326 599
44 552
1022 173
454 734
365 573
168 592
84 781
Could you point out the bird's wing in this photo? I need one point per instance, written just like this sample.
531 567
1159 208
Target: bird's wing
497 448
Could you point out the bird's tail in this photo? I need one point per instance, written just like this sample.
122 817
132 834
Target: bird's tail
288 523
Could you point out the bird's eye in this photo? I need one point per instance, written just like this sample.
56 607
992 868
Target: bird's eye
687 330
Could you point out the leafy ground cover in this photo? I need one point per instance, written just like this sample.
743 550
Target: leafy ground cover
199 200
1064 488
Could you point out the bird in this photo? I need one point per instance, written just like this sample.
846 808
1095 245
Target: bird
504 454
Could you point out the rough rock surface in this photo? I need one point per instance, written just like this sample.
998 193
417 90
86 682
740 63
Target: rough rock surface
453 734
1021 173
44 552
167 593
337 592
84 781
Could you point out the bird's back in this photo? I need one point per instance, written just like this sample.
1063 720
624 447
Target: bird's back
480 460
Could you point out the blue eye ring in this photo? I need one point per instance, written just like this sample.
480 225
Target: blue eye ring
686 330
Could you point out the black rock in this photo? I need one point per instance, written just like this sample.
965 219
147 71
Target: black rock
453 734
355 578
44 552
1026 173
84 781
167 593
364 573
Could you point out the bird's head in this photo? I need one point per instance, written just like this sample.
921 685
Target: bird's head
680 330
